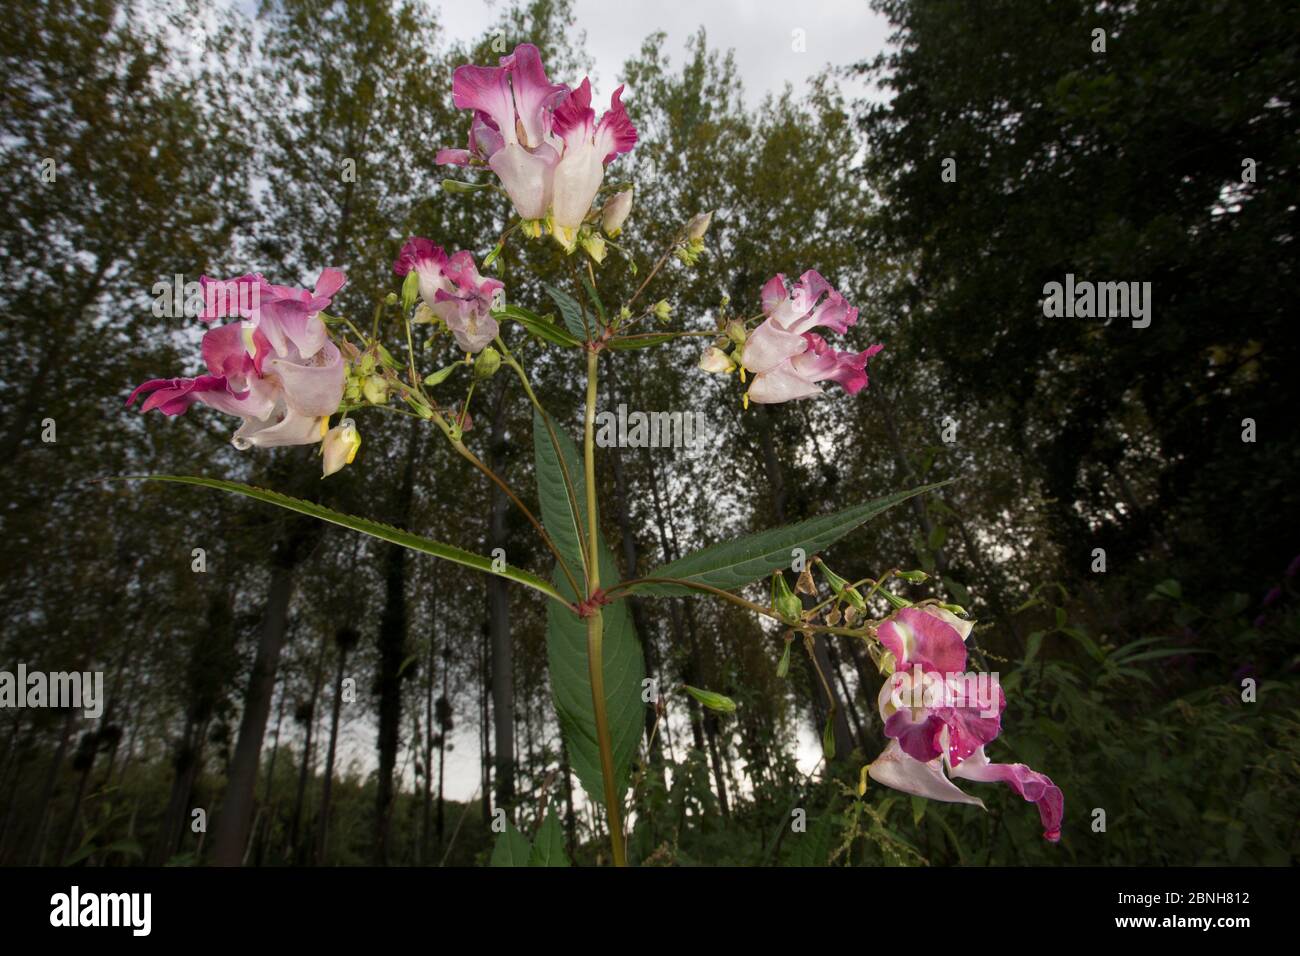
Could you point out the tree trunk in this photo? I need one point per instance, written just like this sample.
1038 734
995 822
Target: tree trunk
345 638
503 684
392 651
234 822
297 852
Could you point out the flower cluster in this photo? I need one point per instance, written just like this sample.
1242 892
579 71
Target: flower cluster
276 368
452 290
787 358
542 139
929 736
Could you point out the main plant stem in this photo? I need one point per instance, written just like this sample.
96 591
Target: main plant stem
595 625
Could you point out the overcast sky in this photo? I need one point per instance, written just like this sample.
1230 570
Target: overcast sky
761 32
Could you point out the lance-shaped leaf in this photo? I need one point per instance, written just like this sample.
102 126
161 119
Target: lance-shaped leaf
566 634
643 341
538 325
732 564
373 528
570 311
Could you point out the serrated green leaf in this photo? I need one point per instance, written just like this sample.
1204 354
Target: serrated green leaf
538 325
733 564
512 848
570 311
595 299
373 528
566 633
548 848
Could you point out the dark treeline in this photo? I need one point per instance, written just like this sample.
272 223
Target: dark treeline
1126 539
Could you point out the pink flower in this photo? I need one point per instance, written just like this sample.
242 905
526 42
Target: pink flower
589 146
938 718
787 358
541 139
286 316
453 289
513 106
282 394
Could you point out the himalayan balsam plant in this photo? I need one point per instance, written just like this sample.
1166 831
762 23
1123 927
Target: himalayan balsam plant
287 369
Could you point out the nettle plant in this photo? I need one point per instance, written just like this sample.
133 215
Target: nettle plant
287 368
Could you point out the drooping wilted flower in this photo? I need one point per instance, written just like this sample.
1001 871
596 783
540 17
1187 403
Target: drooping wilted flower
938 718
454 291
787 358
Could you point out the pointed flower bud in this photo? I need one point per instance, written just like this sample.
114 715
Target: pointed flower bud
615 213
663 311
594 246
711 699
784 601
717 361
339 446
736 332
699 225
841 587
410 290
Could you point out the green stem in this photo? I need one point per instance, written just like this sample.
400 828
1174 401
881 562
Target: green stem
595 625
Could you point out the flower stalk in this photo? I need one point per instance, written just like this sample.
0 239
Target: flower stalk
595 625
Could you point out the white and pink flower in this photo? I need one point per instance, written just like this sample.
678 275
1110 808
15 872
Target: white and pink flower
947 730
787 358
277 369
541 139
454 291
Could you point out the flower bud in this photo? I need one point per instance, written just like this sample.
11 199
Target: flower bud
339 446
594 246
424 315
410 290
663 311
615 212
487 363
717 361
784 601
699 225
736 332
375 390
841 588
